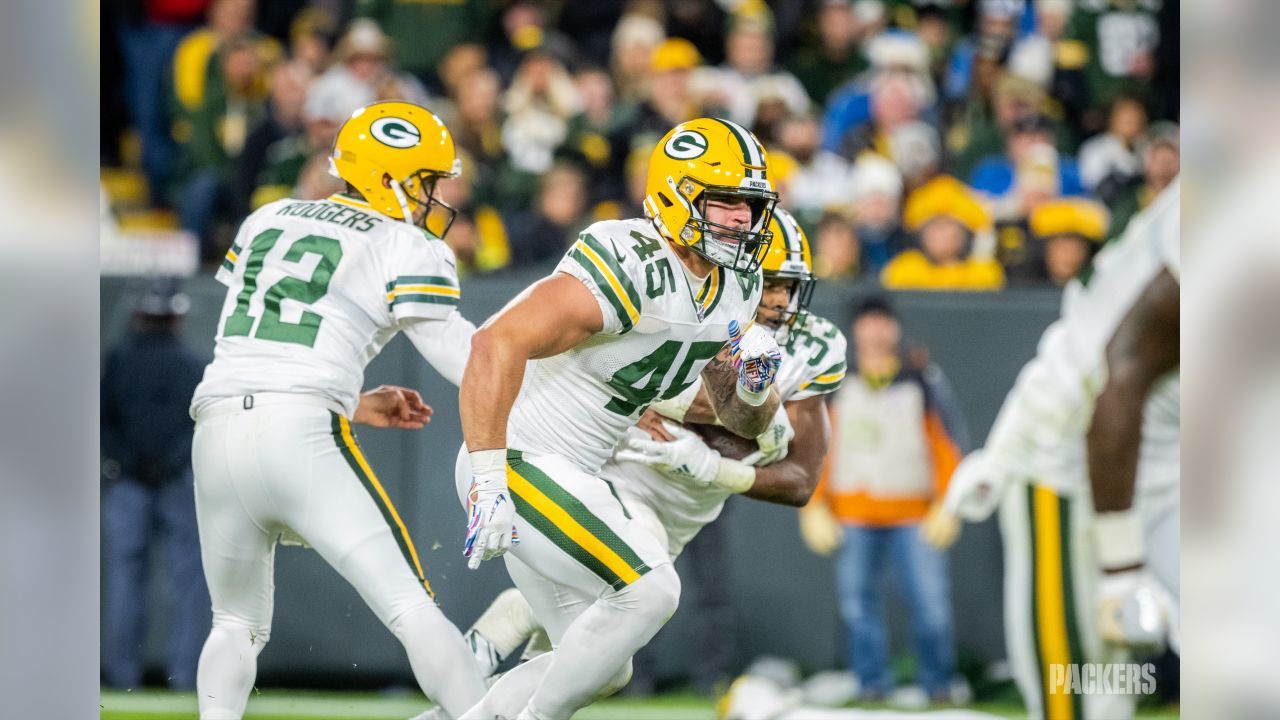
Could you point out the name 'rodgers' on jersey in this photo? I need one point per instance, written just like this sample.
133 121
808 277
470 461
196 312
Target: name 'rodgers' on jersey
315 290
661 327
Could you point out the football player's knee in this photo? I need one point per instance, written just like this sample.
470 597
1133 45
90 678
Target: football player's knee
617 682
257 633
656 594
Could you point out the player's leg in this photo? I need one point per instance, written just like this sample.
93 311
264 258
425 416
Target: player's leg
559 605
500 630
187 595
922 572
858 572
126 525
347 516
575 533
238 555
1047 614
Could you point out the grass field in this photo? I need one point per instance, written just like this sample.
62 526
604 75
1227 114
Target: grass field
297 705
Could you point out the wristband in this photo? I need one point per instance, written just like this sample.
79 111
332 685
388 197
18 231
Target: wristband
489 463
1119 541
734 476
754 399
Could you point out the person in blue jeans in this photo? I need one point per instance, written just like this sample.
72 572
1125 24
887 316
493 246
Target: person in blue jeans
148 496
897 439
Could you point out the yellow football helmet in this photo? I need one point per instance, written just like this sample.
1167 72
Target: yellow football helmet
393 153
716 158
788 258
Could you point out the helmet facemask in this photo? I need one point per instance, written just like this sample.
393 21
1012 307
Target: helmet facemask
737 249
798 296
419 204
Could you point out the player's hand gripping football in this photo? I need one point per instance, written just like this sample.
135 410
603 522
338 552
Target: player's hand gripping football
684 457
491 514
391 406
774 441
756 357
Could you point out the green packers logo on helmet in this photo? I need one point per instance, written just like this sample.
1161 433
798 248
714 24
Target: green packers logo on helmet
686 145
396 132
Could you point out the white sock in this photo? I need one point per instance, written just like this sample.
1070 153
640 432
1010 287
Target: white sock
594 652
505 625
439 658
228 666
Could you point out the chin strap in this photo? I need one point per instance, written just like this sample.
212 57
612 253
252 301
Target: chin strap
403 200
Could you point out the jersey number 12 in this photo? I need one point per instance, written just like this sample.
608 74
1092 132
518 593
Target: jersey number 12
271 326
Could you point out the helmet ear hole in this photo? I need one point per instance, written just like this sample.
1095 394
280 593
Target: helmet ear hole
666 201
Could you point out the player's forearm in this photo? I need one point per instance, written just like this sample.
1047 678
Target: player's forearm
701 410
786 482
720 379
489 388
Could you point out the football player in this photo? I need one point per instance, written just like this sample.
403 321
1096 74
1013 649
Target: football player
315 290
1079 586
635 312
668 476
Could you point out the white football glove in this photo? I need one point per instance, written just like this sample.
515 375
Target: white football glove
756 357
976 488
774 442
490 512
1136 611
688 459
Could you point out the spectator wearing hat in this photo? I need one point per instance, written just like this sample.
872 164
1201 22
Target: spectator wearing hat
1160 166
877 212
635 39
668 99
449 24
1066 234
946 218
897 59
896 439
148 494
895 101
835 57
284 161
979 128
1053 61
748 74
362 59
997 175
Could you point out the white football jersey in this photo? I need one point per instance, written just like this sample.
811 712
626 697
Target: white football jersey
1040 431
315 290
813 363
659 331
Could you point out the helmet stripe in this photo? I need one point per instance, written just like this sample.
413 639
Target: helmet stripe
751 152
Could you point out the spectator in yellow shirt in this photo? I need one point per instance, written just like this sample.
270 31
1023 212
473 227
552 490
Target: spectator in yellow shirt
946 218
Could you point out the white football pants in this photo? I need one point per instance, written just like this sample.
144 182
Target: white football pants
273 464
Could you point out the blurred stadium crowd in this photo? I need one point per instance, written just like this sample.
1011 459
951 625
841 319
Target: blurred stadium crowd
929 144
